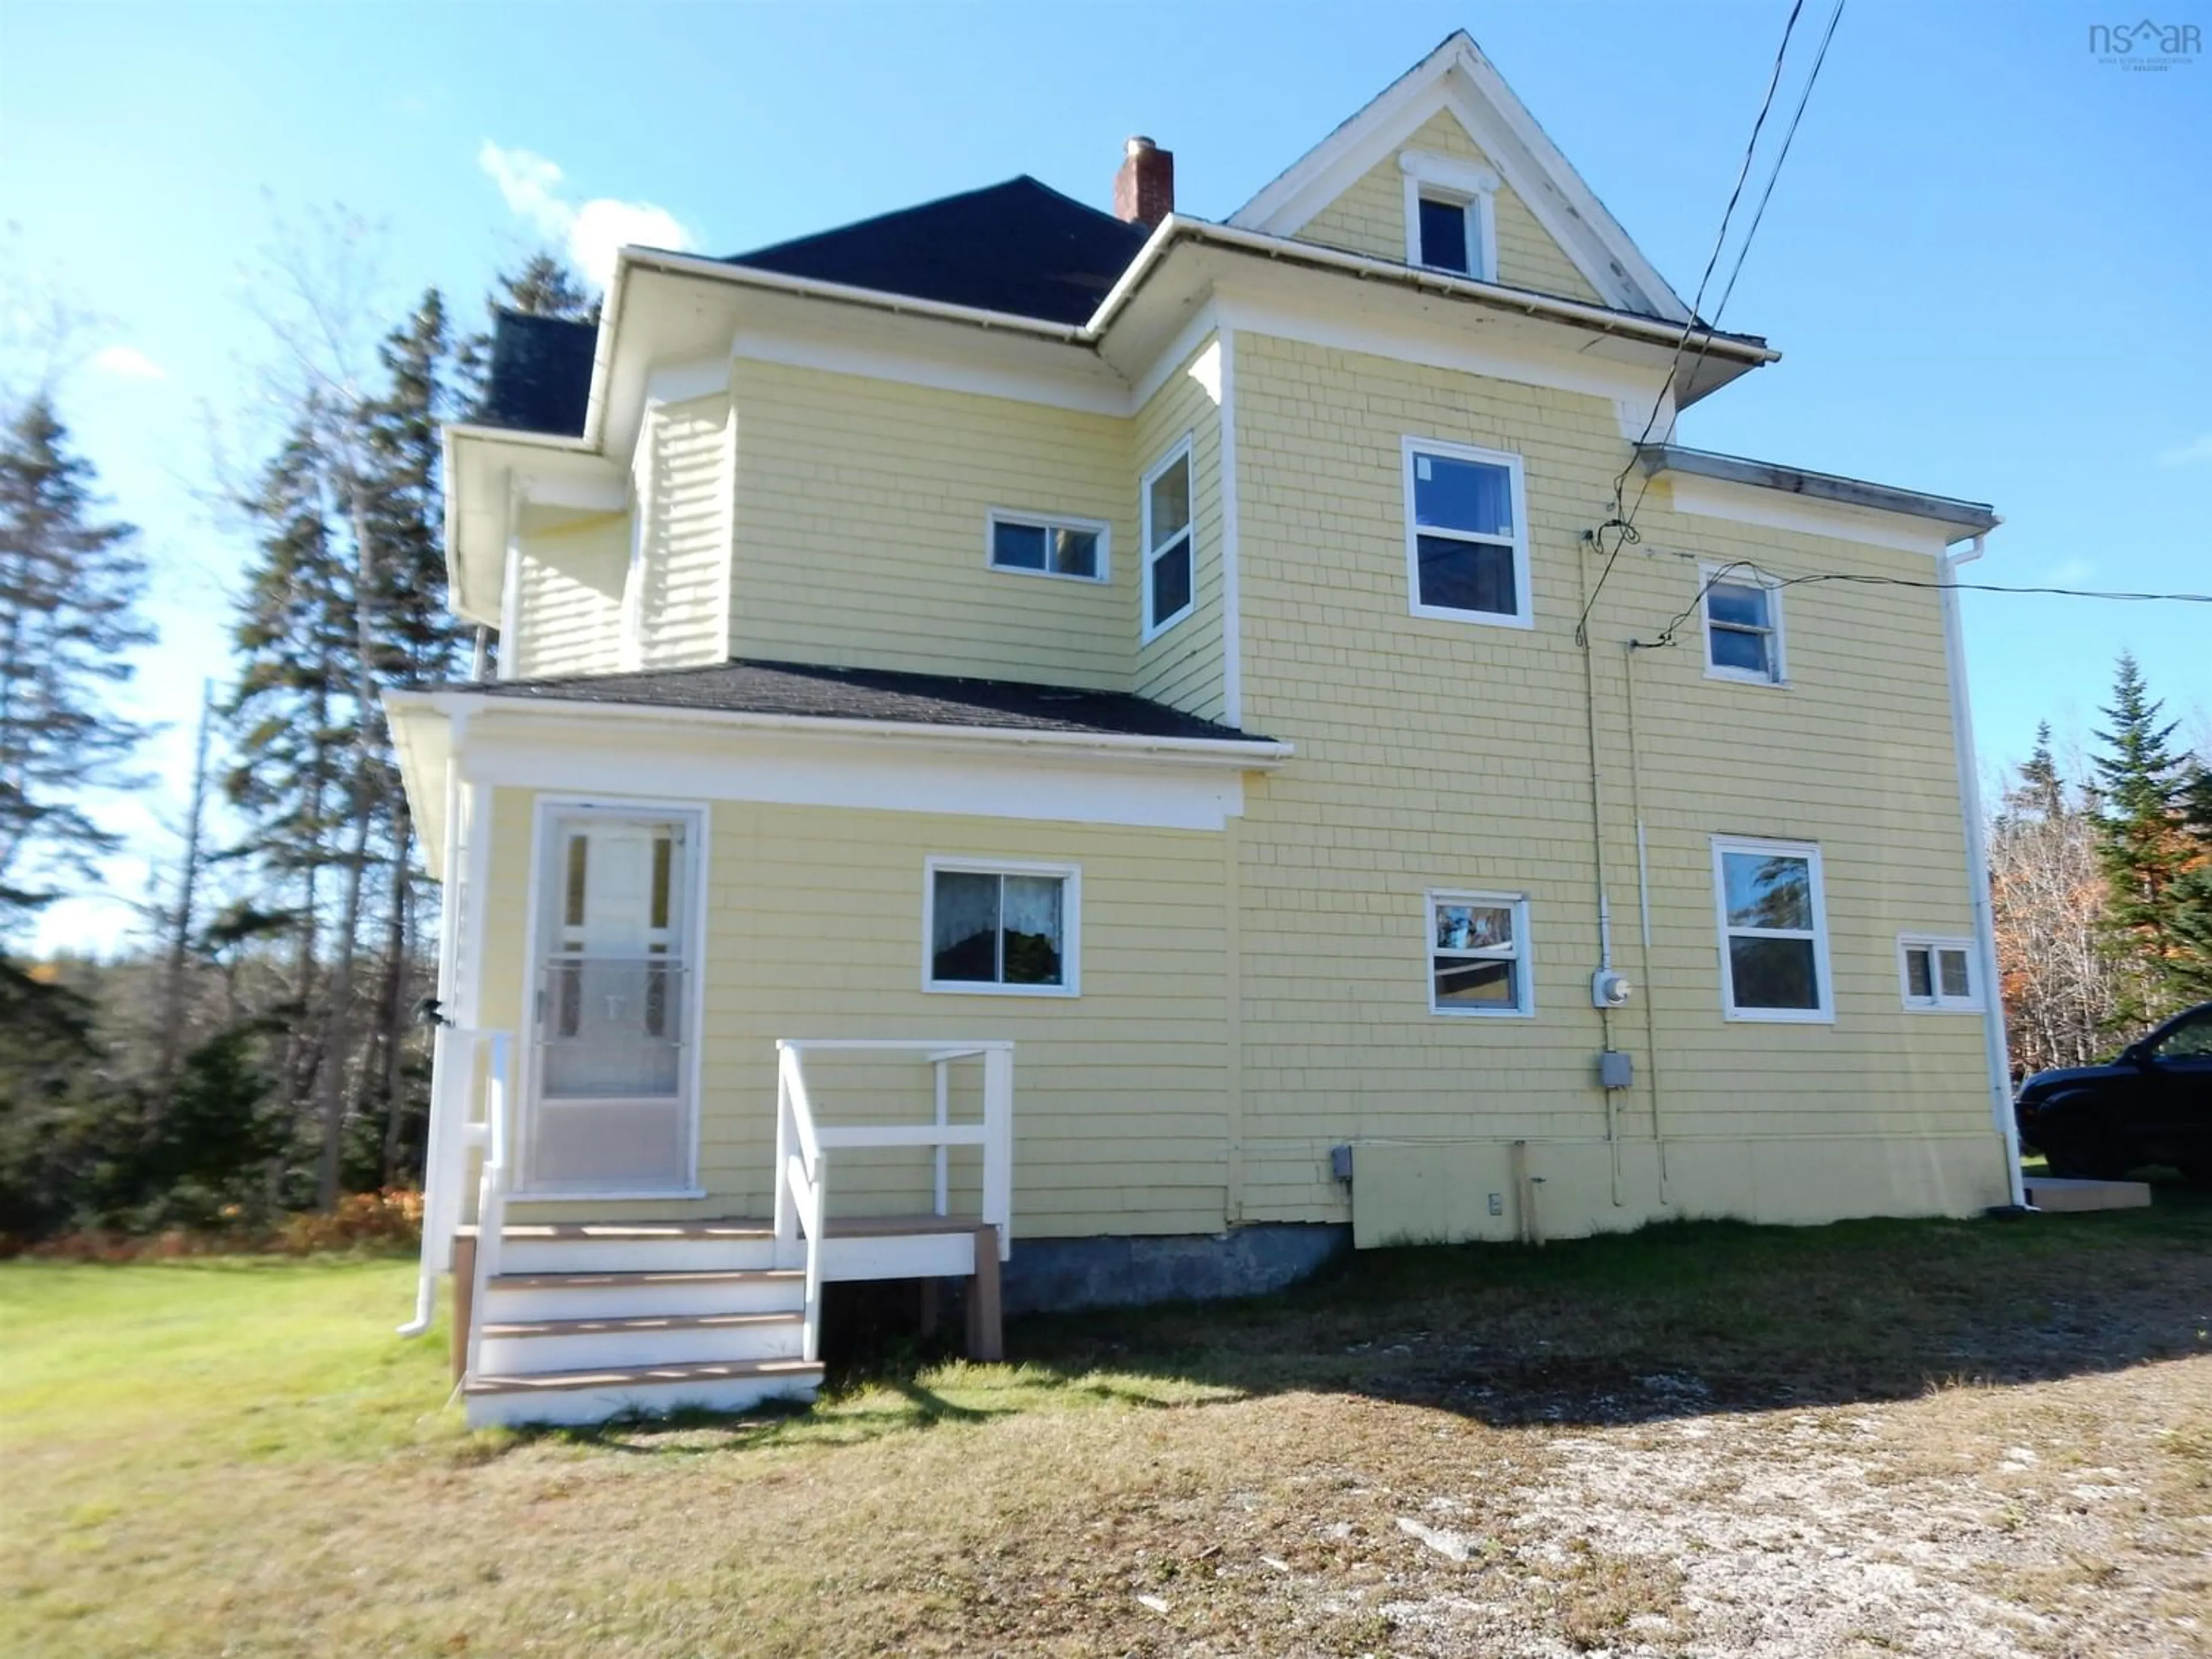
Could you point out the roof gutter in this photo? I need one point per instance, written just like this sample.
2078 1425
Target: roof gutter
1967 518
1246 754
1652 330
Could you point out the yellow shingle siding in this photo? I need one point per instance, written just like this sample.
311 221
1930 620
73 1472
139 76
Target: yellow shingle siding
1181 667
684 483
568 596
861 508
1369 218
1441 754
816 931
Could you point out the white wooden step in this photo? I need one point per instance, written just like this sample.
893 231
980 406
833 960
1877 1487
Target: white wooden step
516 1296
518 1346
594 1397
635 1246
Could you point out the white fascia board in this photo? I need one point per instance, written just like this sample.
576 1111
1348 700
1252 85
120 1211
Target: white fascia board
1777 509
946 370
1456 77
1646 330
682 264
1241 755
424 738
633 751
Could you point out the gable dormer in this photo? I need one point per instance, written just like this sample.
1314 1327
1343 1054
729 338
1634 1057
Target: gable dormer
1447 169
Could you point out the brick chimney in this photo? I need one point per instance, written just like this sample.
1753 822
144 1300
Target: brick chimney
1144 190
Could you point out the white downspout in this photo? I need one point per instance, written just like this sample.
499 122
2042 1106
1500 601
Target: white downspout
1978 874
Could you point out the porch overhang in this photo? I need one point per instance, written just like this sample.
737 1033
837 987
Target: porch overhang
578 746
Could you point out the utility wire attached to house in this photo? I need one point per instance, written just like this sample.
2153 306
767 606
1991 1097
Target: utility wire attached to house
1772 580
1622 522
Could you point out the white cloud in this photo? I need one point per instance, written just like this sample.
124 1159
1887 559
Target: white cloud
2197 452
2070 573
129 362
592 231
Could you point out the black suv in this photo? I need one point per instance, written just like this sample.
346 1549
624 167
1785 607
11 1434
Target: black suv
2151 1105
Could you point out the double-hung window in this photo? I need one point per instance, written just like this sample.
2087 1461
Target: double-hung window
1466 537
1773 931
1171 559
1937 974
1743 625
1479 954
1001 928
1048 545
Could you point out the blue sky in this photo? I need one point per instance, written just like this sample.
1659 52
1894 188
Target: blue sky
1986 264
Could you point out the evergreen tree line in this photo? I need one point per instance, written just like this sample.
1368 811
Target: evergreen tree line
2102 886
259 1053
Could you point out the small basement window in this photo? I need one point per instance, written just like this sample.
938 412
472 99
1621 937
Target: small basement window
1743 625
1479 954
1045 546
1774 933
1466 542
1170 560
1938 974
1007 929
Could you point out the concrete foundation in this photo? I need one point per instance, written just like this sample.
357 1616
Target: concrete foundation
1054 1275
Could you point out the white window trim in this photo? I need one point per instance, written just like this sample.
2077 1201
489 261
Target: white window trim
1071 925
1443 179
546 810
1743 575
1810 852
1525 1006
1047 521
1938 1003
1179 450
1410 447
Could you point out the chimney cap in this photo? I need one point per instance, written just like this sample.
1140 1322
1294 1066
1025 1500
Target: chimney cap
1138 144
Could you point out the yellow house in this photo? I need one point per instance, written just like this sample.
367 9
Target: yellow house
1144 749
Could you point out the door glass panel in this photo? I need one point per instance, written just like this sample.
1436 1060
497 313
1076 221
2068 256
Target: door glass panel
609 1109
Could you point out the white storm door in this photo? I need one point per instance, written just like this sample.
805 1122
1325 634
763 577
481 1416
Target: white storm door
611 1108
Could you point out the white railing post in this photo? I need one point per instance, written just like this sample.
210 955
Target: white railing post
787 1215
999 1142
943 1067
491 1196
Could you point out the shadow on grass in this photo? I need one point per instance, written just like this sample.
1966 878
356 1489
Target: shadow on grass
1677 1320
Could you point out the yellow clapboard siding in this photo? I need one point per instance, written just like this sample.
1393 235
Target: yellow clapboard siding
1182 666
567 600
1443 754
861 513
1369 218
687 484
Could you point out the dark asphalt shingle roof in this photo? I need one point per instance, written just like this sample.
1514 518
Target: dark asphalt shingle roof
808 691
540 378
1020 247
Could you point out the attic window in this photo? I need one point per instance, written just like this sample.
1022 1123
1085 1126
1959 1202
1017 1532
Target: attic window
1451 223
1444 234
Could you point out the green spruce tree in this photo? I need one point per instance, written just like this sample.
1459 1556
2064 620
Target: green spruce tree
70 584
2141 846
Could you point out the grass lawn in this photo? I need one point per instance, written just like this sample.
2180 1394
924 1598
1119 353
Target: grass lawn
1879 1437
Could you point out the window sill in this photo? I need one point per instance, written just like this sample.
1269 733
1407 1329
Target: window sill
1943 1008
1050 575
1739 677
1480 618
1149 635
1058 992
1779 1016
1482 1013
